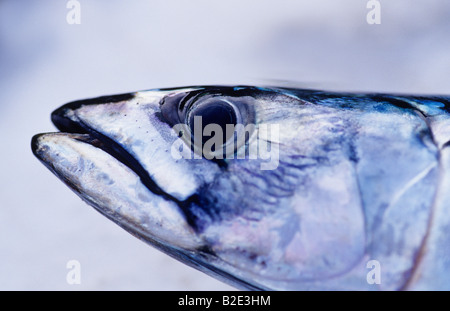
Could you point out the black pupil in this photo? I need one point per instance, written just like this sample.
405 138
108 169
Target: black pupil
218 113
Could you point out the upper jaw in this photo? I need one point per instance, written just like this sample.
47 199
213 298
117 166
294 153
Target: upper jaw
67 121
63 117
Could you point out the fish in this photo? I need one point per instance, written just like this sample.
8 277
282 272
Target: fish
269 188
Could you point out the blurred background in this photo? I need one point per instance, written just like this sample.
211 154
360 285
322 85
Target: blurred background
123 46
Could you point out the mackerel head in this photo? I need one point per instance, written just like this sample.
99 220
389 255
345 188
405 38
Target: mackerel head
269 188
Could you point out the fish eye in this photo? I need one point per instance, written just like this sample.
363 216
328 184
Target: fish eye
214 123
219 114
214 117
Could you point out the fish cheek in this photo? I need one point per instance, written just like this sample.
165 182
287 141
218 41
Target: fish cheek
315 234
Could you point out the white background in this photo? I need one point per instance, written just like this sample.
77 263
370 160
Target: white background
123 46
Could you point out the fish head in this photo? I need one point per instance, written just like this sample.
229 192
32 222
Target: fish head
255 186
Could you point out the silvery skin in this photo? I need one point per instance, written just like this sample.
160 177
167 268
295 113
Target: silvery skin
318 189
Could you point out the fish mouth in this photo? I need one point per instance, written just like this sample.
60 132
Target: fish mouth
96 167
